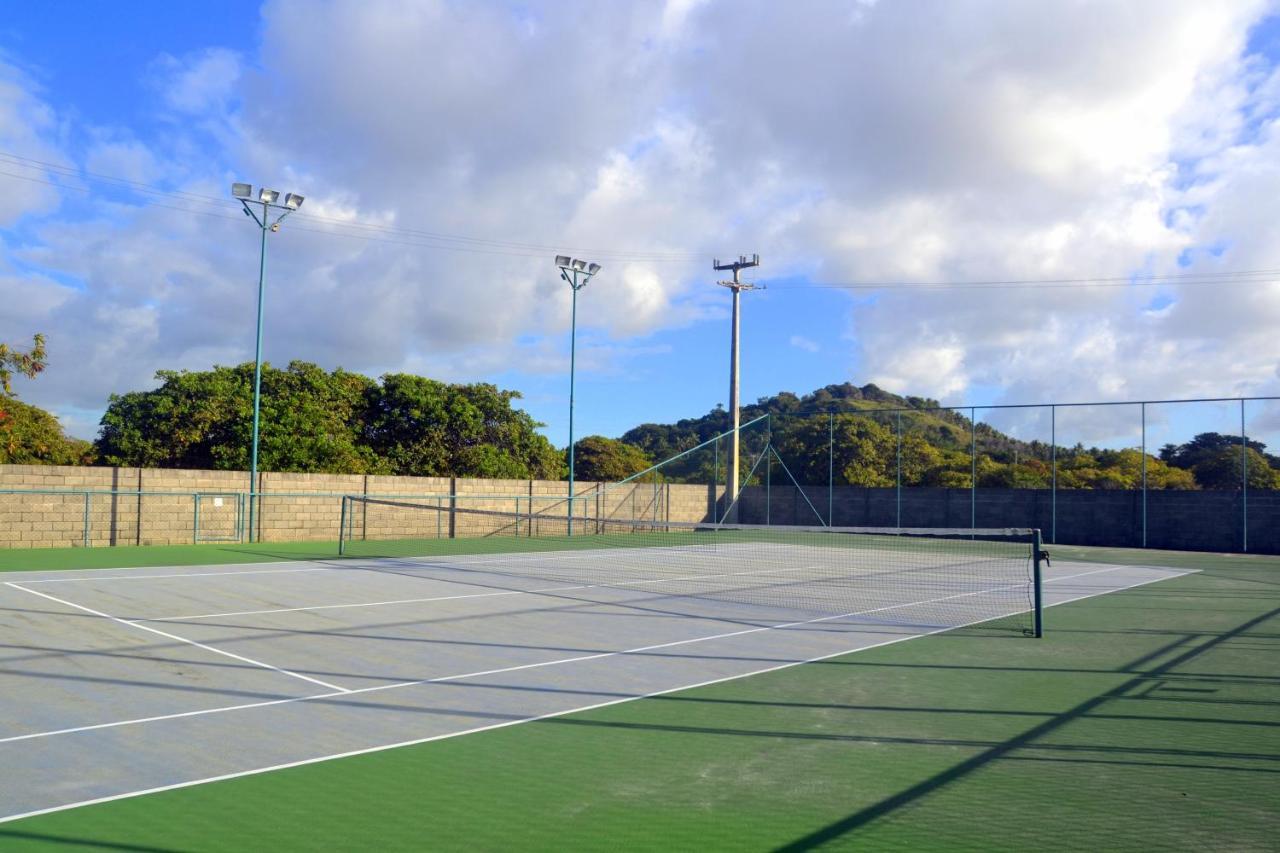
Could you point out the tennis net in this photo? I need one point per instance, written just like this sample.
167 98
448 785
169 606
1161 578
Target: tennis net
931 578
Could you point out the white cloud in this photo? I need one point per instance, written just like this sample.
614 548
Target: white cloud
199 84
803 343
968 140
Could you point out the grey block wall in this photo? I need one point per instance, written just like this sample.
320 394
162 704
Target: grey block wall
1177 520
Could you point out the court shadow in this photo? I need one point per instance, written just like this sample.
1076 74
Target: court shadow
1028 739
54 841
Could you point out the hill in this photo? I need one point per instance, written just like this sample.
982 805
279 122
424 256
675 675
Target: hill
837 431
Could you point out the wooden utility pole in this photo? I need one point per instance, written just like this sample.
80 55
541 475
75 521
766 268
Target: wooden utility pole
737 286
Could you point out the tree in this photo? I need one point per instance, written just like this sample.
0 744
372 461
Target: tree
1222 470
334 421
607 460
310 421
429 428
31 436
15 361
1203 446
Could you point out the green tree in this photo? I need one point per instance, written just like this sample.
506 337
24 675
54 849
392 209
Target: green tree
15 361
607 460
1203 446
1222 470
333 421
310 421
31 436
863 453
429 428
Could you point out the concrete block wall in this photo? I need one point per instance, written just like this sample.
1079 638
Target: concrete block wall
1177 520
136 506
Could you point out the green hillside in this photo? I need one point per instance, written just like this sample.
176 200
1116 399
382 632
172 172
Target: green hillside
841 431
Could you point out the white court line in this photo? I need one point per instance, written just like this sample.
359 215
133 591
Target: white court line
417 561
446 678
538 591
179 575
1172 573
133 624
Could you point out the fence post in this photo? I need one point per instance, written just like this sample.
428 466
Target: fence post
1244 483
715 480
768 484
831 468
1144 475
453 506
898 523
973 468
1053 488
342 528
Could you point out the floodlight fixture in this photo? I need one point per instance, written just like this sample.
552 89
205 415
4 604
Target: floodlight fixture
240 190
267 196
563 260
293 201
579 265
592 269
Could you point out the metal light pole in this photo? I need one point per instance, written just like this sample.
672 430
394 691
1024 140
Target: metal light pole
267 201
737 286
577 273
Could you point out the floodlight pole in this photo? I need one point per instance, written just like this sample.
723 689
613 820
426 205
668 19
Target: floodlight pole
736 286
577 273
264 224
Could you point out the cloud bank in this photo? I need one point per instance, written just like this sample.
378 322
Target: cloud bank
922 141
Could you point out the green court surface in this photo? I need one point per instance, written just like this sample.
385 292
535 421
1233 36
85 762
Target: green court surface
1147 719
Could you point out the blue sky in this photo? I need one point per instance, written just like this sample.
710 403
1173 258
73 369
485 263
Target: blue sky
983 142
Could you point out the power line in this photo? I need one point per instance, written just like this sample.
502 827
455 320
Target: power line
349 228
1225 277
213 206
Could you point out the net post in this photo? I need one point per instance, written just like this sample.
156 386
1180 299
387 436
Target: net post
1038 582
195 518
342 528
87 497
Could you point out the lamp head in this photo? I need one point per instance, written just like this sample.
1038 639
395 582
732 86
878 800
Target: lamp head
268 196
579 265
592 269
562 260
293 201
239 190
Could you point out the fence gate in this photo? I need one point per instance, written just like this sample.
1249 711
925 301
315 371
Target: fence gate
219 517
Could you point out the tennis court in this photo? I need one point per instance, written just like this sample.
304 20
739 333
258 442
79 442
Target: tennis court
117 682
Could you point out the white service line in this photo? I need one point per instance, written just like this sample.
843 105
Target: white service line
418 562
538 591
578 658
491 726
183 575
133 624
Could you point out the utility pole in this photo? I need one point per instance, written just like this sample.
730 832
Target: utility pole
737 286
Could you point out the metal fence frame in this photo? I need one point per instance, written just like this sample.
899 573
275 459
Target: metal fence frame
972 410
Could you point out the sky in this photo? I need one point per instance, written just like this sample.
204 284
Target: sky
895 164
